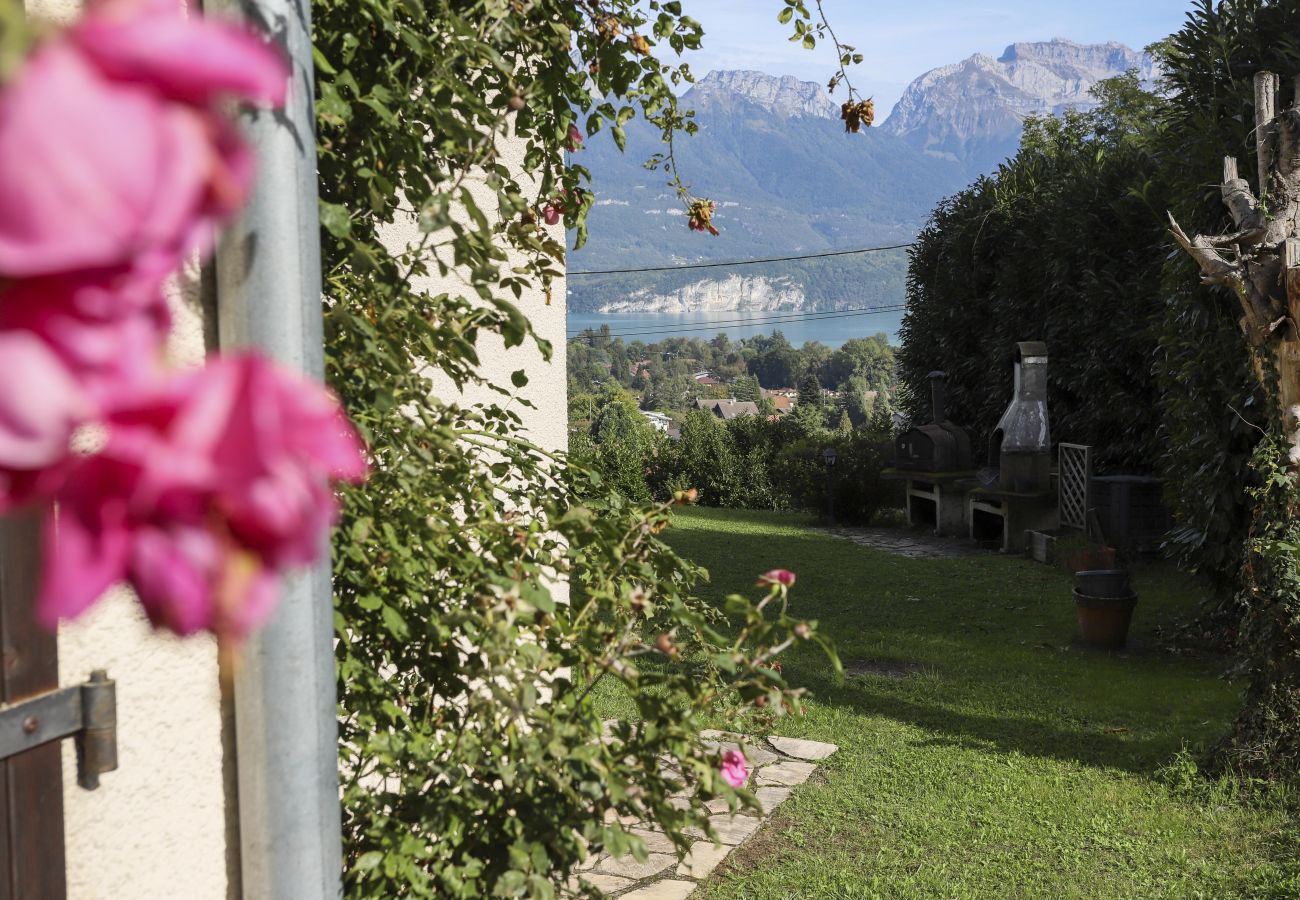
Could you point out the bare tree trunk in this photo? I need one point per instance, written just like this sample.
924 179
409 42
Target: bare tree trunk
1260 263
1263 268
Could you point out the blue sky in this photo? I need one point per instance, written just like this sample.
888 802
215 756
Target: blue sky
902 40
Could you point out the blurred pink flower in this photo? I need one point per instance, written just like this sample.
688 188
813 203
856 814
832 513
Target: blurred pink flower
783 577
107 339
41 405
575 138
206 489
734 769
113 153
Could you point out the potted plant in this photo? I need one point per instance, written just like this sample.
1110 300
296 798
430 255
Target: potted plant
1104 602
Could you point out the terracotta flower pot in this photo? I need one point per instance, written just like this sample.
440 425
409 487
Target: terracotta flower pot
1103 583
1091 558
1104 621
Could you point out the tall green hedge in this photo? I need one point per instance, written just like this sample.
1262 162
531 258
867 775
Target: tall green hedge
1057 246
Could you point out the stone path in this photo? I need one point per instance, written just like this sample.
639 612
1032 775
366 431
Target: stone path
776 766
909 543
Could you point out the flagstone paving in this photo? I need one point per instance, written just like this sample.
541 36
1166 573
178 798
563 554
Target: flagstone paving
907 542
777 765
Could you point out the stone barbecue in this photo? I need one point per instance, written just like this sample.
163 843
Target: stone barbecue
935 461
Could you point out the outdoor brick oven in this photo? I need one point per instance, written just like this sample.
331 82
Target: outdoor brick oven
1020 496
935 460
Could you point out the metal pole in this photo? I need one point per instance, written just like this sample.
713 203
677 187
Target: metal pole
269 297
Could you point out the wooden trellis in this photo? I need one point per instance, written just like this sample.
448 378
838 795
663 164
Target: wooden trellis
1076 471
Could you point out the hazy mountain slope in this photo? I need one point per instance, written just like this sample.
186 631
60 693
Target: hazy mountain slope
786 182
772 152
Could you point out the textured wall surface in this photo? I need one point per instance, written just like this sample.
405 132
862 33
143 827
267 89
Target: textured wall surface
547 387
155 829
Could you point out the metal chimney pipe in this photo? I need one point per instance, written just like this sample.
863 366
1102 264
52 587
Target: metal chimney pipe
938 397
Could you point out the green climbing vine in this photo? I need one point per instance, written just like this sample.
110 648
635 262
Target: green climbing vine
481 606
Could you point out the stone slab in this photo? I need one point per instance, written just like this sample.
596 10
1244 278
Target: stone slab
772 797
702 859
729 830
801 749
786 772
668 889
655 841
607 883
755 755
627 867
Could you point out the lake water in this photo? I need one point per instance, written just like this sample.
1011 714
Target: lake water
833 332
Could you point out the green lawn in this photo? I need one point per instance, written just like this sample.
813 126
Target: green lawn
1011 764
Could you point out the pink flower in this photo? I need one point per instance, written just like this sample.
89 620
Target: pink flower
575 138
782 577
113 154
109 338
550 214
206 489
734 770
41 404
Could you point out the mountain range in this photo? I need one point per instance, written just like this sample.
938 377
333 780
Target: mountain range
773 154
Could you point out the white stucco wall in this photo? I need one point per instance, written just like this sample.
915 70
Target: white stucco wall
156 828
547 388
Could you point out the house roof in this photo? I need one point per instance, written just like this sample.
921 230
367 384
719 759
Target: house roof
728 409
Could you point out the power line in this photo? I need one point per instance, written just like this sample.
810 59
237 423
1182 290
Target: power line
736 262
681 329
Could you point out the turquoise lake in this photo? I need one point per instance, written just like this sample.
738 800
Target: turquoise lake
651 327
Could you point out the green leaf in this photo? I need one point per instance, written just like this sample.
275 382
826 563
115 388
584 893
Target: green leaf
335 218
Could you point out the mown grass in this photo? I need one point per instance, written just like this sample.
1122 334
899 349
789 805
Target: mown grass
1012 763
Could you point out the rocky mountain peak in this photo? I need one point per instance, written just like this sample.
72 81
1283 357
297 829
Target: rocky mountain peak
972 110
784 96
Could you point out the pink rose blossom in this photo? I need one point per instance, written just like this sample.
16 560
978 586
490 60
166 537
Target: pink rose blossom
550 214
41 404
575 138
782 577
734 769
113 154
206 489
190 59
109 339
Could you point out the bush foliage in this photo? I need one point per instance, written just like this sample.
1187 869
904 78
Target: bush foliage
474 762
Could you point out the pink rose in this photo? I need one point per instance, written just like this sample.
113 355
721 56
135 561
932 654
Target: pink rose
734 769
782 577
41 405
109 338
575 138
206 489
113 154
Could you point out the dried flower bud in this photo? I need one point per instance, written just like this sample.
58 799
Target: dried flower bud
700 216
640 44
802 631
664 644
